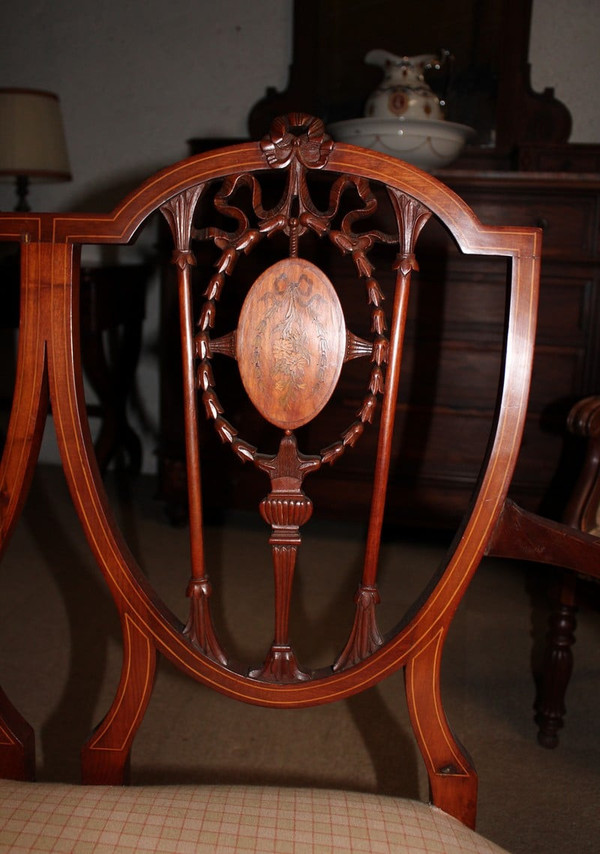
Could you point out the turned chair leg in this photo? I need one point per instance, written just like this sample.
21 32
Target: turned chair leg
582 513
557 664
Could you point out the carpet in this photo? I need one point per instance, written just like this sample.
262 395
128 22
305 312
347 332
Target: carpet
60 663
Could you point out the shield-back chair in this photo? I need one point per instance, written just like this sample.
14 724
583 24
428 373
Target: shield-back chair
293 190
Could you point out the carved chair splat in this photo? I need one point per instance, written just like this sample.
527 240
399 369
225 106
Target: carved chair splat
290 343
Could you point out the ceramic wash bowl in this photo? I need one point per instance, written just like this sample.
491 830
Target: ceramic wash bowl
426 143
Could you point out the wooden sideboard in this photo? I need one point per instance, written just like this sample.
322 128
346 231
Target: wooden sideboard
453 343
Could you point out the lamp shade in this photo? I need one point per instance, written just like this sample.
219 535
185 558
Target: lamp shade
32 138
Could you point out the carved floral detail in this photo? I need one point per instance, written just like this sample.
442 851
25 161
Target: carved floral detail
290 340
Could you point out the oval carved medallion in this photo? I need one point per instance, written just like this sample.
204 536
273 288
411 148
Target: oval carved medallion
291 342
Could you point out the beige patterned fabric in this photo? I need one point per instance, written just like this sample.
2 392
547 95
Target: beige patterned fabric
36 817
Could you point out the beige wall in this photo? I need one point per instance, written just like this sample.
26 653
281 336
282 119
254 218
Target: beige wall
564 54
138 78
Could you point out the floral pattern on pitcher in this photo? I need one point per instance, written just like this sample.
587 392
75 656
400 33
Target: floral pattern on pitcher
403 92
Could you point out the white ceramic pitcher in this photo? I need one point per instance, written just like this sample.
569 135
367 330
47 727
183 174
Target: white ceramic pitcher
403 92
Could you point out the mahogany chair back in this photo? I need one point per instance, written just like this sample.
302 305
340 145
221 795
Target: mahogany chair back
291 344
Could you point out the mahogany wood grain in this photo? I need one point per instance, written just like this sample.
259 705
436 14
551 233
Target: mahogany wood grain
298 312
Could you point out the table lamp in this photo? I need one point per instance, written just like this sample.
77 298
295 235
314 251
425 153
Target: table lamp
32 140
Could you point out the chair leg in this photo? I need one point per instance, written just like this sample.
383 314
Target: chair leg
17 743
557 664
452 778
18 459
105 756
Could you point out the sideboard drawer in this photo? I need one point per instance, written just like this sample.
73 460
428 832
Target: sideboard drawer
568 222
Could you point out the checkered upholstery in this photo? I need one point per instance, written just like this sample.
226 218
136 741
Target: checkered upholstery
44 817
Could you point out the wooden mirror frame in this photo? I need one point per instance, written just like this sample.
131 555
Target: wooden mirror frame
522 117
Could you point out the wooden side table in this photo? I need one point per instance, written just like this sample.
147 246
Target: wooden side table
113 301
112 313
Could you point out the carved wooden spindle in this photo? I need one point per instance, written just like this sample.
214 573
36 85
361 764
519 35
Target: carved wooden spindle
558 664
179 212
286 508
365 636
582 512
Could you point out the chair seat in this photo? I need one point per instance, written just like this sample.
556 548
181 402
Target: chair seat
59 817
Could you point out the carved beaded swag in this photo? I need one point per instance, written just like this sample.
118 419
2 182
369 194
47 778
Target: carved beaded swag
290 344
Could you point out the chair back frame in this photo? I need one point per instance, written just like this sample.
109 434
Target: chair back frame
49 373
